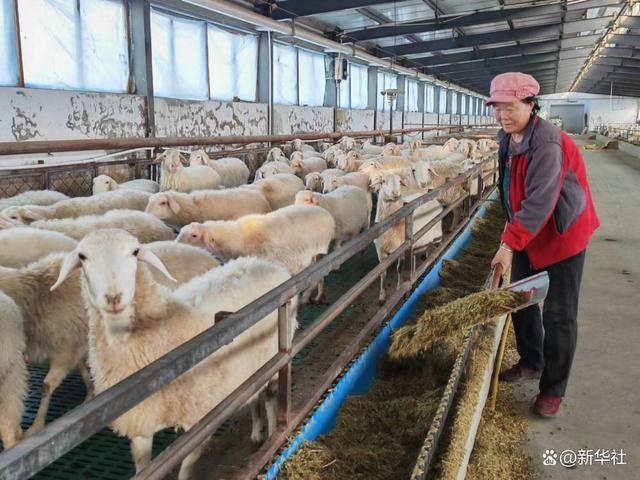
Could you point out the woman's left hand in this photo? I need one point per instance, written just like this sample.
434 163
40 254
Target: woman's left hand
503 258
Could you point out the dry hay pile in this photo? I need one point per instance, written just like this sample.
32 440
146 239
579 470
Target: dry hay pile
594 146
378 435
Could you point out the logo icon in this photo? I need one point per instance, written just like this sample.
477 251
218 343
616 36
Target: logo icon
549 458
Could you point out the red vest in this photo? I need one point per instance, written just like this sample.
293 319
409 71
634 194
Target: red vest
552 244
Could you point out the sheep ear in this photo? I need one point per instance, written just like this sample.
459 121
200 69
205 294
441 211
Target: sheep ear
32 215
147 256
173 205
208 239
71 263
433 172
403 182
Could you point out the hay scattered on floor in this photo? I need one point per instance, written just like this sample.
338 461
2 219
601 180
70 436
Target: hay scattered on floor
594 146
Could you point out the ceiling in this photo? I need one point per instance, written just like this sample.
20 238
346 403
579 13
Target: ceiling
468 42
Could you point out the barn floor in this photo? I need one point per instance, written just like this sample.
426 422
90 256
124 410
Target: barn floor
601 408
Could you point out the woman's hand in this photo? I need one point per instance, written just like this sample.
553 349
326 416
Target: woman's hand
503 258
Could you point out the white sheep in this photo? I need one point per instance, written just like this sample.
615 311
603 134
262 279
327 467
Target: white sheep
55 324
347 144
175 176
33 197
330 155
369 148
324 146
314 181
182 208
143 226
430 153
276 154
104 183
300 146
302 167
183 261
272 168
79 206
292 236
349 162
279 190
22 246
134 321
13 371
348 207
356 179
233 171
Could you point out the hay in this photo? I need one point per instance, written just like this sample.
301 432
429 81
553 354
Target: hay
594 146
446 325
378 435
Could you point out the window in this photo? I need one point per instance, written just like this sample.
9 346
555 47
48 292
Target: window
411 96
312 78
233 64
179 57
8 50
287 78
74 44
463 105
442 101
354 92
385 81
454 102
285 81
430 99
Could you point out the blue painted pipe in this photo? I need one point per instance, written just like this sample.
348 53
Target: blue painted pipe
360 376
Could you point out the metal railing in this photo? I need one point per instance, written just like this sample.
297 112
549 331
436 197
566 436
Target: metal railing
629 132
36 452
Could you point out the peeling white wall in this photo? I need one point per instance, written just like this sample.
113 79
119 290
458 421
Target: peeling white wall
291 120
599 108
185 118
354 120
33 114
413 120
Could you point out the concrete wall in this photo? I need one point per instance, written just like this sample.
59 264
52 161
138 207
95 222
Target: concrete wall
354 120
31 114
290 120
599 108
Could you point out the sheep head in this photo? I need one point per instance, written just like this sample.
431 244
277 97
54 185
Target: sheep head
199 157
390 188
331 183
296 165
109 262
297 144
305 197
162 205
21 215
104 183
296 156
275 154
423 174
171 160
313 182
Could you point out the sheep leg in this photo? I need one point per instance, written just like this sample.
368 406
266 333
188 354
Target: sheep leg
257 420
383 294
10 434
307 295
58 370
398 270
271 407
186 469
141 451
86 378
320 294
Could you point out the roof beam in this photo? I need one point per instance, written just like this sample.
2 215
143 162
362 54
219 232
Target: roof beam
454 21
500 36
301 8
488 63
538 47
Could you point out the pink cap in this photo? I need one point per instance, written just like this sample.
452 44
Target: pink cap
512 86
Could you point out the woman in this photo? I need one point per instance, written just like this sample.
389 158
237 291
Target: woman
550 219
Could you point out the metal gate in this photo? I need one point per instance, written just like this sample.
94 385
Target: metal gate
572 117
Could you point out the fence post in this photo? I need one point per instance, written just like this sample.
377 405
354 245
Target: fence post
480 184
284 375
409 264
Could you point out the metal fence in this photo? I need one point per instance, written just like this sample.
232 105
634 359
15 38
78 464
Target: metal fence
36 452
627 132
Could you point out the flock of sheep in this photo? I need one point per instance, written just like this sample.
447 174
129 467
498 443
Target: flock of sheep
109 283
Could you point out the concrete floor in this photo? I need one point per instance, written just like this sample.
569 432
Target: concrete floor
601 409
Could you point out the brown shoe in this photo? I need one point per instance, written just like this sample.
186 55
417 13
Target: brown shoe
518 372
546 405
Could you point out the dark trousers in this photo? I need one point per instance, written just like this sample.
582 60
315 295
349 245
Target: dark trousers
548 341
